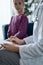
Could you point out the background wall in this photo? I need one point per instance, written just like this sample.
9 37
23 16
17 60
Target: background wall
5 14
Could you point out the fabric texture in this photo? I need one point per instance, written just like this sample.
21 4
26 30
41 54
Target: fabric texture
18 26
9 58
34 50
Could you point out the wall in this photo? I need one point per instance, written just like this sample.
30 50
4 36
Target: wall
5 14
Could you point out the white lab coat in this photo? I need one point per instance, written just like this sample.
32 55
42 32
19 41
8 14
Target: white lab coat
32 52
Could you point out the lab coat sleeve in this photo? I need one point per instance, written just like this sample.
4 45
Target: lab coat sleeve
36 49
31 50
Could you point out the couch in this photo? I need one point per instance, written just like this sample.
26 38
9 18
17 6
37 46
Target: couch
29 29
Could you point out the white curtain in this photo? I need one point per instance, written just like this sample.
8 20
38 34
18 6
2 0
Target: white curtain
5 14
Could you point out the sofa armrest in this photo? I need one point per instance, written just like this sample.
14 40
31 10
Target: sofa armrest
4 30
29 30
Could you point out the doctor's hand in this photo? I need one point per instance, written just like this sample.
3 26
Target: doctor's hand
11 47
10 38
0 46
17 40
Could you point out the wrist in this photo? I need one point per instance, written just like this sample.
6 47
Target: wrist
17 49
23 41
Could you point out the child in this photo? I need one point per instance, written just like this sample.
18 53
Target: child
18 24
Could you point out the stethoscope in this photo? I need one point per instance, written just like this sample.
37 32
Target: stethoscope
36 16
38 11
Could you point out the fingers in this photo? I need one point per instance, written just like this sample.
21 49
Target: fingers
0 46
11 37
8 39
5 45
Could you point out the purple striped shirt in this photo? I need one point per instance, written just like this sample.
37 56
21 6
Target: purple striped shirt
18 26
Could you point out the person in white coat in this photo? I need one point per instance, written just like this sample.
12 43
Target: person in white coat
31 53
